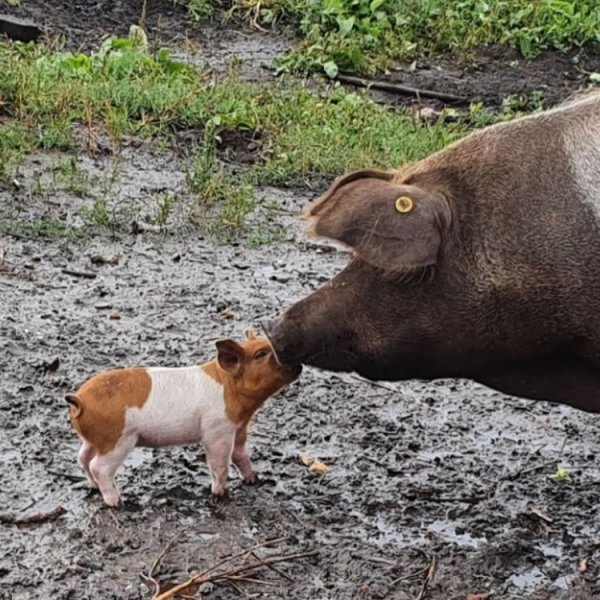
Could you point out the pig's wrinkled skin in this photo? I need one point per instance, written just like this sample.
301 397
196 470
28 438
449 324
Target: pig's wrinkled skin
493 274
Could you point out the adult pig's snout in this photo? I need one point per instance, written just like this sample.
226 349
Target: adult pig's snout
275 331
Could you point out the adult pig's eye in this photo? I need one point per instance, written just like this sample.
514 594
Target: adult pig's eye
261 354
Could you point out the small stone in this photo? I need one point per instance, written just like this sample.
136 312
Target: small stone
228 314
49 366
281 277
111 259
103 305
115 315
427 114
141 227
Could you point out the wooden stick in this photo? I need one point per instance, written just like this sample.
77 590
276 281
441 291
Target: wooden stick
409 576
75 273
266 544
150 577
428 580
40 517
274 569
244 570
396 88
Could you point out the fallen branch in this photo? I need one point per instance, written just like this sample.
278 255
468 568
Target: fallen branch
538 513
235 574
75 273
274 569
517 474
388 86
39 517
150 577
409 576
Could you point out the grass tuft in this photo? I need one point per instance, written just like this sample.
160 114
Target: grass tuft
366 35
125 90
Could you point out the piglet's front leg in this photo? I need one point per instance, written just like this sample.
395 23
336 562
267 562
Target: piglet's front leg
240 456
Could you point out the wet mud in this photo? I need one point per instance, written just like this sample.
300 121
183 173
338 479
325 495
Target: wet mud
444 478
444 471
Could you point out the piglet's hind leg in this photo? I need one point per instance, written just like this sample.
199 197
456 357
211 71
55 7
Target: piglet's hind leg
104 467
86 454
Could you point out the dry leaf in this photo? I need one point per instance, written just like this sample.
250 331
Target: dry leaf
307 460
583 565
319 467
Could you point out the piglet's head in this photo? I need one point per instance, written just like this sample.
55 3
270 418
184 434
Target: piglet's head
249 368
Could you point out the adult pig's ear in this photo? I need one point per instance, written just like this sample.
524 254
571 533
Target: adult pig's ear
391 226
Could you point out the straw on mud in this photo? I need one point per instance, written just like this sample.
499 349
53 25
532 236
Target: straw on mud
410 575
428 580
274 569
156 562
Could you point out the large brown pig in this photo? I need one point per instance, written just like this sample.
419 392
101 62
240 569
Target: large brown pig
481 261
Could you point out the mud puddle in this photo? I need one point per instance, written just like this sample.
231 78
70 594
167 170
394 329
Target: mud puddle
445 471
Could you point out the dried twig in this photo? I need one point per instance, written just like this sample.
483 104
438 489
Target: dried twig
409 575
274 569
375 559
428 580
156 562
396 88
517 474
236 574
39 517
244 553
75 273
144 14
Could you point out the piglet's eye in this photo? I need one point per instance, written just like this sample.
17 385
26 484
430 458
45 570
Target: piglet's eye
261 354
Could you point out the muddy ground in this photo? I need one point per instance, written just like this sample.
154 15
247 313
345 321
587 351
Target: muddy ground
444 472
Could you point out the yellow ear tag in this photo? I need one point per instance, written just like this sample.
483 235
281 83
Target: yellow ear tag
404 204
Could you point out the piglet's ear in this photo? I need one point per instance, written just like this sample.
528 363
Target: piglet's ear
250 334
229 355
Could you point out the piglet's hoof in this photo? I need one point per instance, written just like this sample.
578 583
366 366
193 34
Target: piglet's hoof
218 495
113 501
252 479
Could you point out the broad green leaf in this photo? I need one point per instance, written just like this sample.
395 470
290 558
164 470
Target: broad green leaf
345 25
331 69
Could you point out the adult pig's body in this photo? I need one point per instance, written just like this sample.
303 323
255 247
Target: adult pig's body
480 261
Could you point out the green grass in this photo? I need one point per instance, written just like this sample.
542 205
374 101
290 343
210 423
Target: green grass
366 35
125 90
47 228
